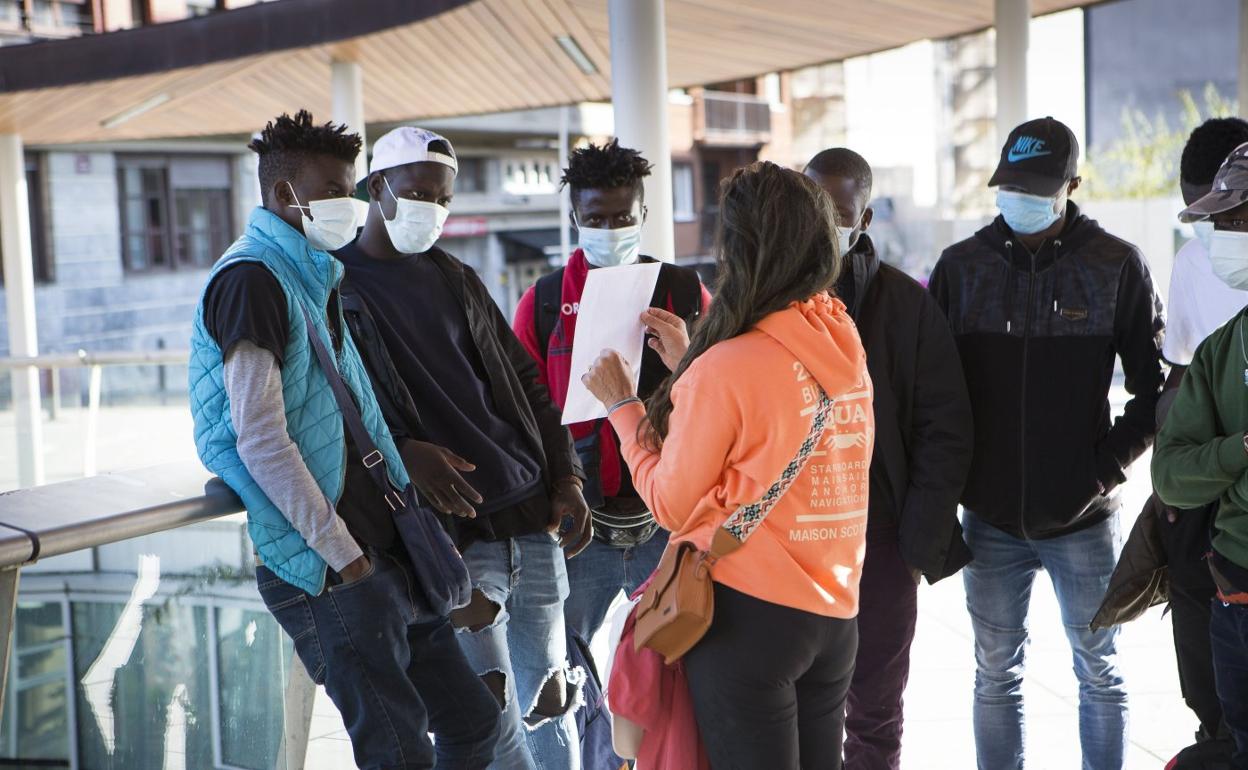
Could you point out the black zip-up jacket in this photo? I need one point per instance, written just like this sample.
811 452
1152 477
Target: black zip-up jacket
1038 335
519 398
923 431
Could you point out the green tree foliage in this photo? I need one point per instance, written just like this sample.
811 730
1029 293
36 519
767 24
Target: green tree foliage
1144 161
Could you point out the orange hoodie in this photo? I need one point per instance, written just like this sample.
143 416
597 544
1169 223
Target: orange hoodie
739 414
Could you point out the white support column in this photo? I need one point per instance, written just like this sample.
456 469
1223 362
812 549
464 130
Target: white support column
565 203
19 295
639 95
1243 58
1012 21
347 98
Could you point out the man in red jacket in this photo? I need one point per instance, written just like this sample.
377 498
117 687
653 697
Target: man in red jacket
608 210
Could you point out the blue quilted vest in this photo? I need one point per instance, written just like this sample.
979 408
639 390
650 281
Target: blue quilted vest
313 419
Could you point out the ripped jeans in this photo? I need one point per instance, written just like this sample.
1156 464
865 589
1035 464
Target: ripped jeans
525 578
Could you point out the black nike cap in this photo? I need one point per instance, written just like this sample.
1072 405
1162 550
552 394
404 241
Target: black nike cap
1039 156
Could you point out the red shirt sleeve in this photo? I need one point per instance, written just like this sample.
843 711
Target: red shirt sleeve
706 298
525 326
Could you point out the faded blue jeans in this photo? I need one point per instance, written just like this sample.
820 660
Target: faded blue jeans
998 592
527 643
598 574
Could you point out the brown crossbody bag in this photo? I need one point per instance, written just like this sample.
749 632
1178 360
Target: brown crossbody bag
677 608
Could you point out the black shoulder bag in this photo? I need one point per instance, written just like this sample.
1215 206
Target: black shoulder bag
439 569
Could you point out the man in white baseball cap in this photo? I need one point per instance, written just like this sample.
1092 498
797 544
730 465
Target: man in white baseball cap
479 437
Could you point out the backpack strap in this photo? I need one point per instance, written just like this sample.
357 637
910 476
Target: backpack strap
547 301
683 286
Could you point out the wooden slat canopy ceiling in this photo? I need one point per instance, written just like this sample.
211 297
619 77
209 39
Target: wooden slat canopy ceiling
228 73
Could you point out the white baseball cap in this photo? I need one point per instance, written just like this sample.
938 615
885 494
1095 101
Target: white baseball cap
409 144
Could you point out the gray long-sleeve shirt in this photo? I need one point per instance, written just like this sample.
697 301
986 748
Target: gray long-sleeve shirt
253 383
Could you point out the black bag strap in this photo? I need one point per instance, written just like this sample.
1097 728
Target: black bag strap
547 301
374 461
686 292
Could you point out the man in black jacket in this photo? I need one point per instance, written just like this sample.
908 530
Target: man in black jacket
921 458
479 437
1041 302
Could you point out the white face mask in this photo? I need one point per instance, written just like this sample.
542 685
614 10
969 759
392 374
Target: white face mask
1228 253
416 226
333 222
845 235
1204 232
608 248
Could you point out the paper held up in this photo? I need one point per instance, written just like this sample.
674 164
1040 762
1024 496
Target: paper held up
609 319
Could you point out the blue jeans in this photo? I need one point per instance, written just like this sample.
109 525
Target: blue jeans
998 591
1228 632
394 676
526 579
598 574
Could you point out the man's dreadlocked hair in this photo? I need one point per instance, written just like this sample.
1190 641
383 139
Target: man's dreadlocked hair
286 142
605 167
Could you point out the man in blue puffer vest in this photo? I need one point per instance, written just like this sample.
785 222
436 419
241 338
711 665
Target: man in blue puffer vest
330 567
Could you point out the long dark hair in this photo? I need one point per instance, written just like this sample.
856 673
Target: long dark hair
775 244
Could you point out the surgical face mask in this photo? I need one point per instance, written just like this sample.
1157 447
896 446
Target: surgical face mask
845 236
1228 253
1029 214
333 222
416 226
608 248
1204 232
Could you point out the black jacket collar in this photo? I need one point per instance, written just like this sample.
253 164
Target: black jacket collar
858 270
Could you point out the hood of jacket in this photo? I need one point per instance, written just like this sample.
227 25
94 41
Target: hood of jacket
860 267
1078 230
820 334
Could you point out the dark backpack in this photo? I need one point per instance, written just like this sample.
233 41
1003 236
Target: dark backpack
681 284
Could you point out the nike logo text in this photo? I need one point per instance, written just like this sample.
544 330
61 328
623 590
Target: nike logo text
1027 147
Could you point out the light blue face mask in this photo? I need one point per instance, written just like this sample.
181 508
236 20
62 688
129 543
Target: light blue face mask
609 248
1029 214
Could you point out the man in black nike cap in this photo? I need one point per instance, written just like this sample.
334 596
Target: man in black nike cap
1042 301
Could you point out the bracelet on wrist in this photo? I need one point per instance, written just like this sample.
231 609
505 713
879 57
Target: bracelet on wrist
625 402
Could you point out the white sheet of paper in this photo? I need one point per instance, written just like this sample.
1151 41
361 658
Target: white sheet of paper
609 318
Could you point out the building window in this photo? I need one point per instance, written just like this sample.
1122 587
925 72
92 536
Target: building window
471 176
175 211
201 7
530 176
682 193
11 13
57 18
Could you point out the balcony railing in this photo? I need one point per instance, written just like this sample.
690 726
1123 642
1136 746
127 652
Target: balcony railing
137 638
734 119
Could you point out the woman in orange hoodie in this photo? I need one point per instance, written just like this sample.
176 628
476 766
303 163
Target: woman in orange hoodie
769 679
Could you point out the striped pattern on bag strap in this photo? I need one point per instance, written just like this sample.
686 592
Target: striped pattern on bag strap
742 523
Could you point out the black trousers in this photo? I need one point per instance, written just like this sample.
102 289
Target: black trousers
1191 590
769 685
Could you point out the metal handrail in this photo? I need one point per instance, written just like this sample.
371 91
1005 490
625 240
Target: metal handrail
105 358
69 516
94 363
55 519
